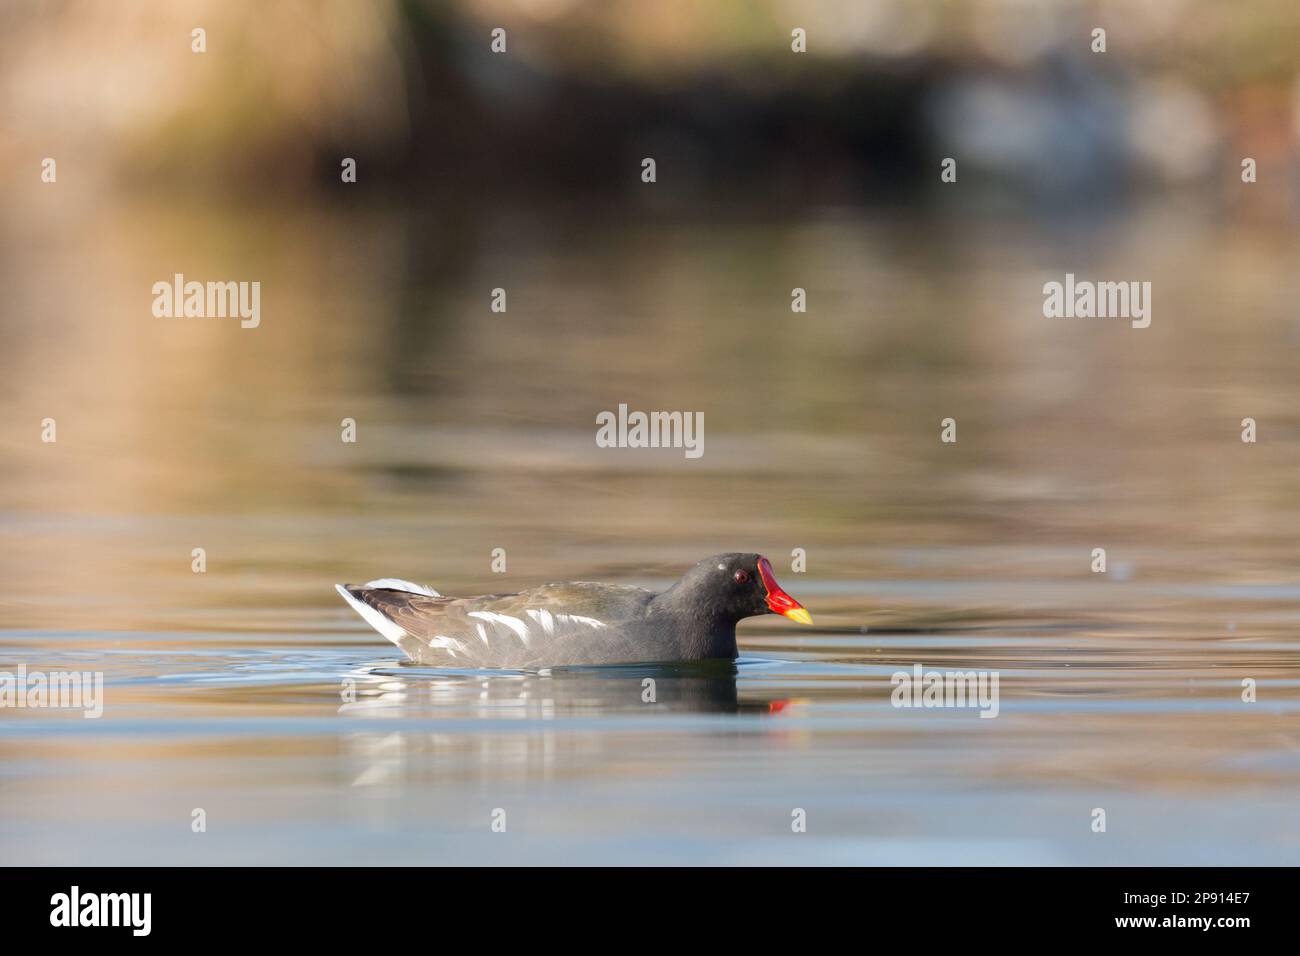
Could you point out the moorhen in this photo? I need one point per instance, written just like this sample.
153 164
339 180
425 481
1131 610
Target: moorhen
578 622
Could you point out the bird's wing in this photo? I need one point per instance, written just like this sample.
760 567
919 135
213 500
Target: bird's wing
537 627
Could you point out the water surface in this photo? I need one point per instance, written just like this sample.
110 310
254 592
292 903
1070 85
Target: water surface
252 692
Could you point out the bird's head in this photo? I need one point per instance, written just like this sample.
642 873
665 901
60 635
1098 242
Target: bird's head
739 586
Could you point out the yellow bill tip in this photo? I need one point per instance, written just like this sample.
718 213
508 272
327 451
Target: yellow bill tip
798 614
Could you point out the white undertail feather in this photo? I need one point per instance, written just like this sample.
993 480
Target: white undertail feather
397 584
372 617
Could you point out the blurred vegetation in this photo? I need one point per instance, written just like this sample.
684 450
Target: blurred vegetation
412 90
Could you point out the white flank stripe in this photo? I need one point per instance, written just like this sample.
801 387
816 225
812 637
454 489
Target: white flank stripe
589 621
516 625
544 618
450 644
482 634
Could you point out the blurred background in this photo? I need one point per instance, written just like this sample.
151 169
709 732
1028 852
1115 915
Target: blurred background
475 429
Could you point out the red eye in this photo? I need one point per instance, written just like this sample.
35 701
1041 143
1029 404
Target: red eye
741 577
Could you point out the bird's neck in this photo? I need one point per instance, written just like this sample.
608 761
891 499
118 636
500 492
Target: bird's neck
702 628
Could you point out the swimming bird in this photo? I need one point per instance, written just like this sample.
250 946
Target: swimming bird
578 622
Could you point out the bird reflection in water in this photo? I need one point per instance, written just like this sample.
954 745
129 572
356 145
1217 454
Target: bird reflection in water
695 687
449 725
